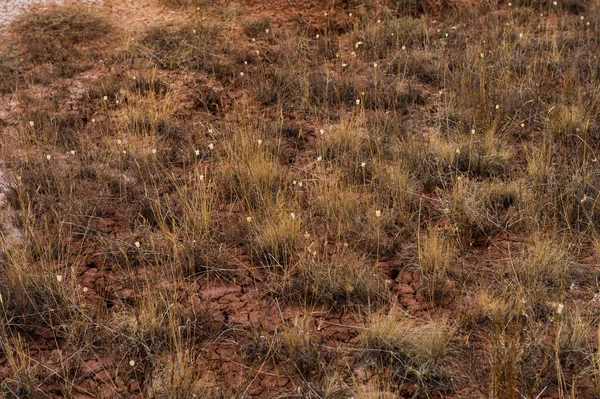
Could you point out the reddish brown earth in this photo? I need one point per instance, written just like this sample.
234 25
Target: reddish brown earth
237 304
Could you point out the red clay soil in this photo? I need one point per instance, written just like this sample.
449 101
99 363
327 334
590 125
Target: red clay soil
237 303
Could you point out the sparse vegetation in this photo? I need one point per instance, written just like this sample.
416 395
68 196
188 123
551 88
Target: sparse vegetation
367 199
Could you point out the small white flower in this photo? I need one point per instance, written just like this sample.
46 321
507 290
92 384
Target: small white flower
319 158
520 35
241 73
124 152
137 244
248 219
72 152
245 62
458 151
403 48
59 278
357 44
353 54
374 65
582 17
266 31
197 152
497 106
317 36
559 308
31 123
210 131
294 183
522 125
446 34
292 215
299 184
322 131
201 177
48 157
85 289
119 142
259 141
253 39
378 213
117 102
132 362
344 65
105 98
211 146
358 101
154 150
93 120
554 3
306 234
472 131
378 21
349 14
510 4
363 164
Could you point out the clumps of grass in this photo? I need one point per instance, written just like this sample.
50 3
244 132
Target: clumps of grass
177 377
317 368
437 161
256 28
203 48
53 34
35 300
248 173
570 6
396 190
35 187
299 349
373 93
378 40
542 271
565 194
10 70
341 280
186 217
482 209
522 358
489 307
417 352
161 319
410 7
569 125
423 65
22 377
435 259
351 149
277 86
275 239
349 217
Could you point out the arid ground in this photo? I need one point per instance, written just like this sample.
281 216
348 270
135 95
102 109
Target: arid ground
300 199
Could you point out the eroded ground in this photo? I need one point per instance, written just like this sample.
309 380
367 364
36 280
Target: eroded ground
306 199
